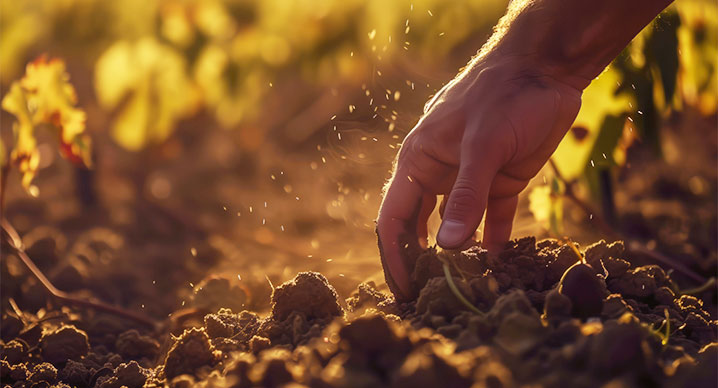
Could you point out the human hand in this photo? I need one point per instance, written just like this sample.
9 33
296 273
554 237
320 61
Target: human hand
480 141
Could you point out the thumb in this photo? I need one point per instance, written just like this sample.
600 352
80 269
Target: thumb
465 206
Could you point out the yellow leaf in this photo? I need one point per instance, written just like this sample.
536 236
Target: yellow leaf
597 102
25 154
147 82
540 204
698 47
546 205
44 95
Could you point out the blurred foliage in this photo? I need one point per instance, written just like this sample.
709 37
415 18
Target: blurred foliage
45 96
157 62
672 64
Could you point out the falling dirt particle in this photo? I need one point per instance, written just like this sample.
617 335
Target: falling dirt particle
193 251
372 34
429 11
397 95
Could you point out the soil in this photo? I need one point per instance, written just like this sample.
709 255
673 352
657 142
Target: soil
549 315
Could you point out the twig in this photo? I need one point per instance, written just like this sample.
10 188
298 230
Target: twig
4 172
634 246
16 244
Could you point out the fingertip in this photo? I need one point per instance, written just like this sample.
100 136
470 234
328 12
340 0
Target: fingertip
451 235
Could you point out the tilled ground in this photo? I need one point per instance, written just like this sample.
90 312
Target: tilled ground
537 314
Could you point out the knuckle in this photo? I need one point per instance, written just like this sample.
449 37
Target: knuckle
463 200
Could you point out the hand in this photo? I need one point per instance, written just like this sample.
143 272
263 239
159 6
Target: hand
480 141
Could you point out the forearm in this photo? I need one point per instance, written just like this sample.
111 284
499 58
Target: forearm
571 40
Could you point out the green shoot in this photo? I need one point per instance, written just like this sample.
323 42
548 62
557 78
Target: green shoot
457 293
702 288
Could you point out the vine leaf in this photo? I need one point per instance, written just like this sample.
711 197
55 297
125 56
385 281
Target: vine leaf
44 95
145 83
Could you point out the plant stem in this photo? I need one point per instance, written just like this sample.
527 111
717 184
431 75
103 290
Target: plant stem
13 239
710 283
457 293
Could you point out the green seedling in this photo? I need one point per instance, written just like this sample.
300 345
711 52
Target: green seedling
456 292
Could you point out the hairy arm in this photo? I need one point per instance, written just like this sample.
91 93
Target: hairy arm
573 40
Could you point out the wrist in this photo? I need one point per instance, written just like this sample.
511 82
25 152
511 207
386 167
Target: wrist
571 41
516 63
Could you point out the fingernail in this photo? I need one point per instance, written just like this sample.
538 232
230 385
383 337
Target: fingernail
450 234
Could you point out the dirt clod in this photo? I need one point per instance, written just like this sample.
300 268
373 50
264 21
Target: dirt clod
189 352
438 299
131 344
308 293
130 375
585 290
526 333
43 372
65 343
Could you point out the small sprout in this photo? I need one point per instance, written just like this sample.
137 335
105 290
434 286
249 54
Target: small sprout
457 293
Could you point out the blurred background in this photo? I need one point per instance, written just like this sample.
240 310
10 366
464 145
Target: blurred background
248 140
